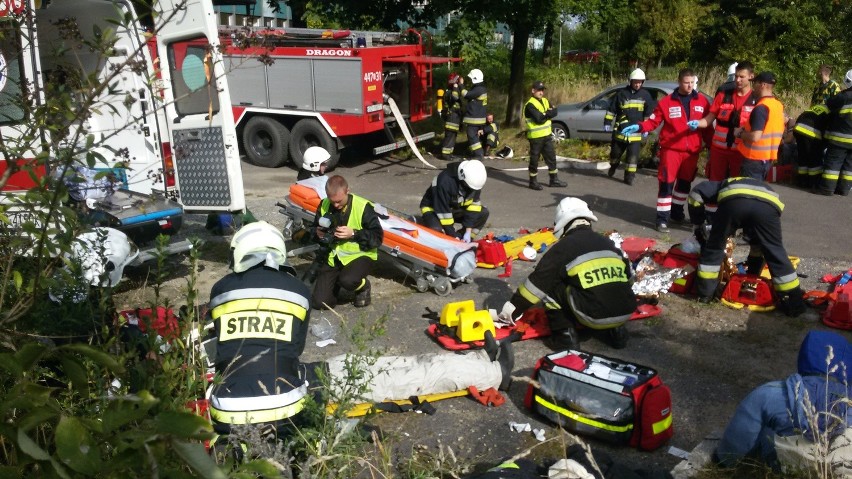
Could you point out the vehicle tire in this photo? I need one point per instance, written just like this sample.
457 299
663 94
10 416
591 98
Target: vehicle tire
559 132
307 133
266 142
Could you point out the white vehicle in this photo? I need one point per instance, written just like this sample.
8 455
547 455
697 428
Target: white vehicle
158 126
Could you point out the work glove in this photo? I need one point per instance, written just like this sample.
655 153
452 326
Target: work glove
702 232
607 128
466 237
505 316
629 130
692 124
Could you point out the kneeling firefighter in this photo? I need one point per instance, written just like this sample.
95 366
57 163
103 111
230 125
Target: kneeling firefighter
583 278
260 315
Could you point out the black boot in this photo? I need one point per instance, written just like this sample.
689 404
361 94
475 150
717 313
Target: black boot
362 296
628 178
618 337
555 182
535 185
612 168
506 360
792 304
564 339
491 346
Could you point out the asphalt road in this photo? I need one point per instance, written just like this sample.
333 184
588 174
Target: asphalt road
711 356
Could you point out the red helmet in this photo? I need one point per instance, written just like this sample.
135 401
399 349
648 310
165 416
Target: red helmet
453 78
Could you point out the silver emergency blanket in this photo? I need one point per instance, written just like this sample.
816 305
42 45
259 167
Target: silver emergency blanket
653 280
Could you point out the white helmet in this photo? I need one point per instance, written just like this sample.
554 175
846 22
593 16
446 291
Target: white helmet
505 152
256 243
103 251
472 172
637 74
568 210
314 157
732 69
476 76
847 80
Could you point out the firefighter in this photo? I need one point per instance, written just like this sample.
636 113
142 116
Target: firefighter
451 113
752 205
353 238
631 105
825 87
537 114
761 135
259 314
731 108
476 101
810 145
314 164
583 278
490 135
679 147
837 168
453 197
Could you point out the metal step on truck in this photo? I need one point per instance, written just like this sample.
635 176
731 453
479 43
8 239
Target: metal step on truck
331 88
163 131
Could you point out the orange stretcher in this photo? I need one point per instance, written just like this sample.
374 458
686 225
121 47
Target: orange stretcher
433 259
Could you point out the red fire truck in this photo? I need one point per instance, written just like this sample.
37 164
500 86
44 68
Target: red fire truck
296 88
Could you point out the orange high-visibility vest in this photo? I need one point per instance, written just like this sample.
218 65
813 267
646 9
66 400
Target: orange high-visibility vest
767 147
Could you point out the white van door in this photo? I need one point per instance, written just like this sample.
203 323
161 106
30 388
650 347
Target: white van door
198 107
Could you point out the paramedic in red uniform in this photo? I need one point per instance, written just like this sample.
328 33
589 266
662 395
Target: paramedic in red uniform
356 236
753 206
260 315
583 278
761 136
731 108
679 146
453 197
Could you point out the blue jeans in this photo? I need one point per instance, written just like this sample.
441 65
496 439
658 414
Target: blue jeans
758 418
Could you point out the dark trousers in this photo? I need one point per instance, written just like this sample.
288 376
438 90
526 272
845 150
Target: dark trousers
431 221
331 278
809 161
837 171
756 169
762 223
473 143
617 148
451 130
542 147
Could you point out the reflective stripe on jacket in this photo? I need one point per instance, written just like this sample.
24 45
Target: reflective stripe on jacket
767 147
538 130
348 251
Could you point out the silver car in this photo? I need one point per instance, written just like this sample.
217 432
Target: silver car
585 120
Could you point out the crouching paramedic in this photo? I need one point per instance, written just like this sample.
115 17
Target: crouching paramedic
453 197
753 206
260 315
353 237
582 278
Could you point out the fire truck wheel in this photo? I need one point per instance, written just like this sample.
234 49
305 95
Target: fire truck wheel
266 142
307 133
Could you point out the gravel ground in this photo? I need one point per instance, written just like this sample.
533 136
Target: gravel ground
710 355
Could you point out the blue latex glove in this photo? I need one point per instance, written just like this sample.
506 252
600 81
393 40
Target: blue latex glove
629 130
466 237
692 124
607 127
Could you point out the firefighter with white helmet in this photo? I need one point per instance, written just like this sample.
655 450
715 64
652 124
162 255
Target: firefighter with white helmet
582 278
837 167
259 314
453 197
631 104
475 111
314 164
